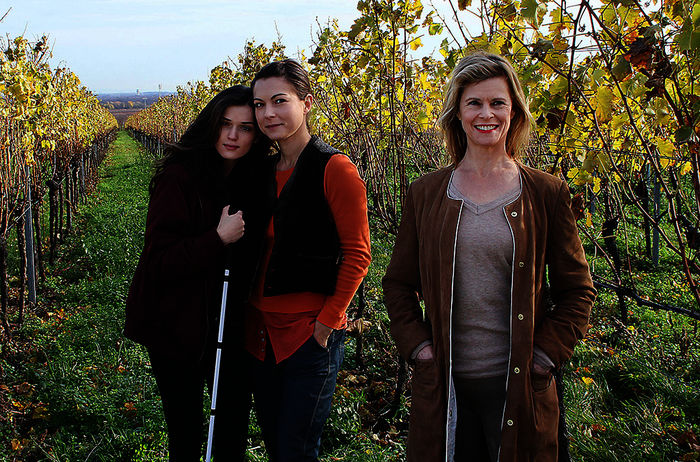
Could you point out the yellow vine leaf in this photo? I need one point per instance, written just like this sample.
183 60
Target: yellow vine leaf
529 9
618 121
686 167
560 21
603 110
666 150
423 118
662 112
415 44
587 380
578 176
559 86
423 80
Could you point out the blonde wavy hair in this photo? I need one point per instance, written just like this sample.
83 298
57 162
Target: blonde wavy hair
474 68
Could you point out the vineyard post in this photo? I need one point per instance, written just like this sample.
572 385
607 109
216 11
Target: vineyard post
642 193
3 285
361 304
68 197
82 172
29 242
657 207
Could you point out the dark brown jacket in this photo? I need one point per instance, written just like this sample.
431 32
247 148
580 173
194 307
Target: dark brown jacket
546 245
175 296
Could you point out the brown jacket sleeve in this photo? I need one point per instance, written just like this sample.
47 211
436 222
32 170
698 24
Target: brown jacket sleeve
401 285
570 281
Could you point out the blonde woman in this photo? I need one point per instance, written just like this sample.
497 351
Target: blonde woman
478 242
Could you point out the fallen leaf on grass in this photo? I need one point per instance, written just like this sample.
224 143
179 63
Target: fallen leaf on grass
20 405
129 406
24 388
40 412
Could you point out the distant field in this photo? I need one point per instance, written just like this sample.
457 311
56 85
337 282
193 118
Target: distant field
122 114
116 101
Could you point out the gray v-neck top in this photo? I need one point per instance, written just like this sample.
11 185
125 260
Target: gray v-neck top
482 287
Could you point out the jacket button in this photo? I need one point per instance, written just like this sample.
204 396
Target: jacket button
521 317
516 370
513 214
509 423
521 264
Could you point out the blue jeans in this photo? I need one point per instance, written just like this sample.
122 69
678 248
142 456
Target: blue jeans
293 398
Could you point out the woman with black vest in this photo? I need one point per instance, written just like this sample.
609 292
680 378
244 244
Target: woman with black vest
316 252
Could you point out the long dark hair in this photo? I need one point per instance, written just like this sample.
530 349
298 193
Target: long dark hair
196 148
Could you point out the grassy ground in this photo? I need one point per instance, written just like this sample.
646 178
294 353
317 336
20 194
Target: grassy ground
73 389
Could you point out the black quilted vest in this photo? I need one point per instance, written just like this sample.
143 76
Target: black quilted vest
306 252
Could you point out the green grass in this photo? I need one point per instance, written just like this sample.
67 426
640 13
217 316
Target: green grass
73 389
92 395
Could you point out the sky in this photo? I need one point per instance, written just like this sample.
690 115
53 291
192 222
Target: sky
125 45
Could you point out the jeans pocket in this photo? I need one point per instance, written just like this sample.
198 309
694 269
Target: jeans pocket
318 345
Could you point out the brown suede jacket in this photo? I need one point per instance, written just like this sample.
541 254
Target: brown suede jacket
546 247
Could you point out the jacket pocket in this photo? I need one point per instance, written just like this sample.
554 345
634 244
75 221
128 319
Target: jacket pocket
426 379
426 434
545 410
540 382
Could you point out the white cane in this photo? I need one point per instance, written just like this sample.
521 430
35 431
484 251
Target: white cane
217 365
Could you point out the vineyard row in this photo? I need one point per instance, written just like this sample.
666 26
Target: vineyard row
54 135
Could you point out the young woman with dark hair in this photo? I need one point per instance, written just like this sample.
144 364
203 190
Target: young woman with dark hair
316 253
174 300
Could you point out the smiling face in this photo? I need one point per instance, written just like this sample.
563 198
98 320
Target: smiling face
280 113
237 134
485 110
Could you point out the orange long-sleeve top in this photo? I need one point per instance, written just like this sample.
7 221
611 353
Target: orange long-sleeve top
287 321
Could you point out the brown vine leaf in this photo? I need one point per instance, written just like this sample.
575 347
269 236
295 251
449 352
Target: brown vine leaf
640 53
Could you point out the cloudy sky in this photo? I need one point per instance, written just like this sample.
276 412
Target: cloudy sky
124 45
